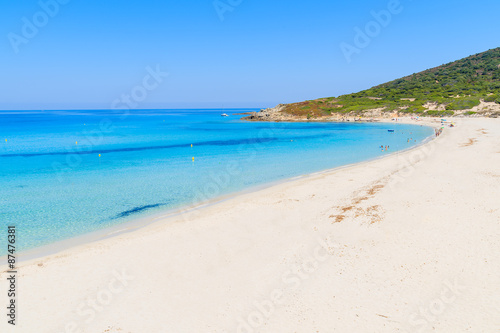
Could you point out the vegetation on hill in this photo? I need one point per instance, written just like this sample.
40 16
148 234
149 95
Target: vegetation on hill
459 85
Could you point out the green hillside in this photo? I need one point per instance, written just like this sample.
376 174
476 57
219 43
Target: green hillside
459 85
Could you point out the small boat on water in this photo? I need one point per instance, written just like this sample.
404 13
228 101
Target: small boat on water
224 115
390 131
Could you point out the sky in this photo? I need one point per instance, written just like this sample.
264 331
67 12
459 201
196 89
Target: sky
89 54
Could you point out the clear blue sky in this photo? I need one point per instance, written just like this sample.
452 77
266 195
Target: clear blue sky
262 53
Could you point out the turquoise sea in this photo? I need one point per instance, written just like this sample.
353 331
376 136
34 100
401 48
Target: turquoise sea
54 185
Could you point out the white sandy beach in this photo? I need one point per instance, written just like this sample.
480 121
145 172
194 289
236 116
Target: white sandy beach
407 243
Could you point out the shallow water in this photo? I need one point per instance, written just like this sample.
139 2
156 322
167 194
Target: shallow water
54 185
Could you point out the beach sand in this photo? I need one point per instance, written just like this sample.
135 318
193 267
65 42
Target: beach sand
407 243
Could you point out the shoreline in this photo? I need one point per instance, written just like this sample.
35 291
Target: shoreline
362 248
140 223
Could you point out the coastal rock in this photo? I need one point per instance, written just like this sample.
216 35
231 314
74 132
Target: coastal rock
269 114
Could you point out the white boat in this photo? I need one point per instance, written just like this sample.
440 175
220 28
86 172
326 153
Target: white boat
224 115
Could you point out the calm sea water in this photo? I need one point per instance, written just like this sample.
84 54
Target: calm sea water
67 173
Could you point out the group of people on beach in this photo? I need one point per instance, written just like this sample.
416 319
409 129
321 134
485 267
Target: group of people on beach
438 132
